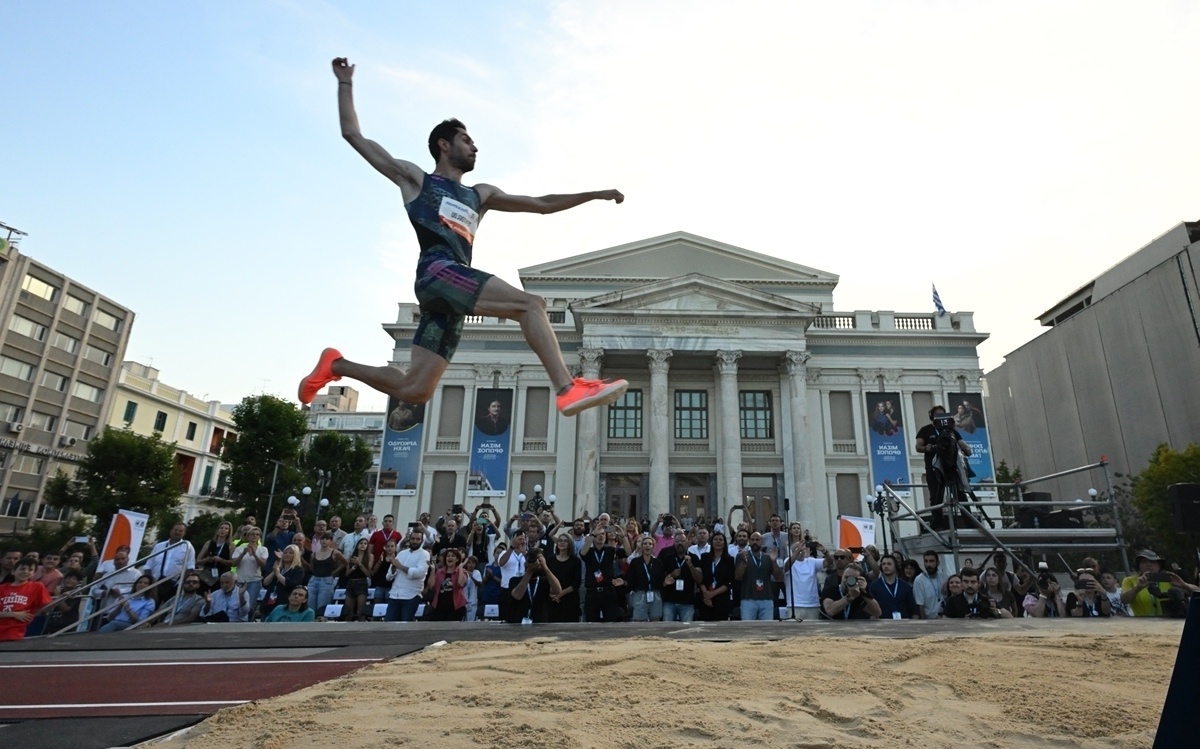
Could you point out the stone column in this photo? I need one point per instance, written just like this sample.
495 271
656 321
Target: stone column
796 362
658 494
587 442
729 465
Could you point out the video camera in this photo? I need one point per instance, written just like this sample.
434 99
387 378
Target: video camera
943 421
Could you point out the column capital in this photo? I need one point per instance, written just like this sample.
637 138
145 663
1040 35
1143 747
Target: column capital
508 371
658 359
590 358
727 361
484 372
892 375
869 375
796 361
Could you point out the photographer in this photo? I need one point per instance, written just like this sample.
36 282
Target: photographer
940 443
1049 599
853 601
1154 592
531 592
1088 598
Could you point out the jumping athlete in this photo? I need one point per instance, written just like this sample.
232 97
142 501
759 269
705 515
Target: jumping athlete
445 214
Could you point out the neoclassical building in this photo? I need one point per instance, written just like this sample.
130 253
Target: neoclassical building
747 387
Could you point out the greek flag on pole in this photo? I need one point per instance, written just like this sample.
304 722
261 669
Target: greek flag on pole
937 302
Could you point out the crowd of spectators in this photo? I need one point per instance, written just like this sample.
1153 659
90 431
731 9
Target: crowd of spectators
536 568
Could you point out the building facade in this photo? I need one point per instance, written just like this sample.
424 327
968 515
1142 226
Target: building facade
747 387
334 411
60 351
1113 374
147 406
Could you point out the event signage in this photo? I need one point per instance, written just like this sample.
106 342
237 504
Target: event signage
969 421
400 459
490 440
886 438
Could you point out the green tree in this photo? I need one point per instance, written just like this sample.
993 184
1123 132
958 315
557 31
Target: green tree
122 470
344 462
1149 490
1006 494
270 434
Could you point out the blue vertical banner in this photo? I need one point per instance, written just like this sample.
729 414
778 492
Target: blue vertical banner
967 410
400 460
490 440
886 438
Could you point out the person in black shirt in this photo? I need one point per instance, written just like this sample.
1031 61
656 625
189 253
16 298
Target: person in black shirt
717 568
643 580
682 575
531 593
853 600
603 580
935 476
969 604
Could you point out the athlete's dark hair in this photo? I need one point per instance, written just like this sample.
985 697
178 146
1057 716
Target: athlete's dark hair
446 129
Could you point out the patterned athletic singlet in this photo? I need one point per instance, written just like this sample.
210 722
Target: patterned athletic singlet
445 216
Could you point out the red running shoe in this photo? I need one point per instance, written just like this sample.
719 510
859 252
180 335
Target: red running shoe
586 394
321 376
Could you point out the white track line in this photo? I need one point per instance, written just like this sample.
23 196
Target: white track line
77 705
135 664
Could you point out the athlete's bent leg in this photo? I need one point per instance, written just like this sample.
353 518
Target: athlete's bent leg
500 299
415 386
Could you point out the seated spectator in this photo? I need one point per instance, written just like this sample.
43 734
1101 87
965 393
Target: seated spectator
186 603
135 607
1048 602
20 600
228 603
1112 591
1153 591
853 600
286 577
529 596
996 588
894 596
65 613
1088 598
969 604
296 610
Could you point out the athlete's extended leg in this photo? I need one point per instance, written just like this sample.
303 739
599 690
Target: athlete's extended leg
500 299
415 386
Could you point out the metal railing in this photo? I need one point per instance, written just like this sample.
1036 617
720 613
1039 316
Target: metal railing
87 593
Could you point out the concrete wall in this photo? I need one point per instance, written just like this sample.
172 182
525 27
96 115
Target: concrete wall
1117 379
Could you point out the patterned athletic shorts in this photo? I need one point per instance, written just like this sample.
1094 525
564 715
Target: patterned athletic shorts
447 292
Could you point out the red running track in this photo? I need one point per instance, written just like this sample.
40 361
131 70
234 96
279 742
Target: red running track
86 690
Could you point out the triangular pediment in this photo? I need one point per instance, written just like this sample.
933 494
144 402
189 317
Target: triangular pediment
695 294
662 257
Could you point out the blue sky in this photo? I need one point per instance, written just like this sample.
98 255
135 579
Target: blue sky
186 161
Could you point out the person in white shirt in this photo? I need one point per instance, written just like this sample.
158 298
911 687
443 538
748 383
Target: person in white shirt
804 594
169 559
406 571
927 588
118 577
249 561
228 603
350 540
702 546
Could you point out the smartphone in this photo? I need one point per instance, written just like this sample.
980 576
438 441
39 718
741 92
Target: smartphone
1159 577
456 509
413 526
81 539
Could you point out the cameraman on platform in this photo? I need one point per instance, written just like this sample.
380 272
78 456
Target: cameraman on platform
940 442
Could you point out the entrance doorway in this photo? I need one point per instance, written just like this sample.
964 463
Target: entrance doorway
761 498
691 498
624 496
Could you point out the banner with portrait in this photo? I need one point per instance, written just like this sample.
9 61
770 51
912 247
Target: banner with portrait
490 439
400 459
886 441
967 410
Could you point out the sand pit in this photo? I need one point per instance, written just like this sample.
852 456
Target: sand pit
1065 684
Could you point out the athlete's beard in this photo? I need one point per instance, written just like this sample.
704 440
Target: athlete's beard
462 163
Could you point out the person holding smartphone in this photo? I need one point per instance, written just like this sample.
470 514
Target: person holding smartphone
1146 592
1088 598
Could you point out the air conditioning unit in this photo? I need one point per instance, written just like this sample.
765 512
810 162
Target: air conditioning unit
16 427
66 441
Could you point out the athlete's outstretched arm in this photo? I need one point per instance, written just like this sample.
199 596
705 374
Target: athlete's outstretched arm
495 199
404 173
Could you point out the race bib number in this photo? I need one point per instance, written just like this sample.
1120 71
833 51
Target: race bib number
459 218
